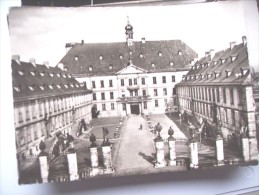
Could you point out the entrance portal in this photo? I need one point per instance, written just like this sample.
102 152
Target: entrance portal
134 108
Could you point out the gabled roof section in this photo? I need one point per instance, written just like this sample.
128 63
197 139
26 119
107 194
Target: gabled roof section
222 69
153 56
131 69
45 81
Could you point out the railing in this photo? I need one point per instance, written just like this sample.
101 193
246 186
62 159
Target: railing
133 87
134 99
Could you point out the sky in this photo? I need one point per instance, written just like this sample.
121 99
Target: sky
42 32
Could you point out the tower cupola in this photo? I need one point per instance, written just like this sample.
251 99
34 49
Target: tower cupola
129 33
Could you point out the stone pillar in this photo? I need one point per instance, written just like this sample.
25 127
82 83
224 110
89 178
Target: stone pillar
94 160
44 167
72 165
220 150
107 158
160 153
245 148
194 154
172 153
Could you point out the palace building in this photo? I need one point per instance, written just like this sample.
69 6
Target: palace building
46 100
130 77
219 86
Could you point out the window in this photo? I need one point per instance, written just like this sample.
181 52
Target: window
218 99
213 95
20 119
163 79
102 84
103 107
130 82
112 106
111 95
155 92
110 83
233 117
174 91
209 94
94 96
136 93
154 80
224 95
225 116
131 93
173 78
239 96
124 107
165 101
232 96
93 84
144 92
122 82
103 96
165 91
145 105
156 103
27 112
143 81
135 82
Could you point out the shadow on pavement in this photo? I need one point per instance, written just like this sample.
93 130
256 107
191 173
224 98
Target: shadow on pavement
150 159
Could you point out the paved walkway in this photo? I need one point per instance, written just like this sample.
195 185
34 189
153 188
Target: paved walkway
165 122
135 147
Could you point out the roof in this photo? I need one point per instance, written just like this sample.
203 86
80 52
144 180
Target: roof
90 59
226 67
34 81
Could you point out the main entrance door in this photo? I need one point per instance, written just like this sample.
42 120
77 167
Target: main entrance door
134 108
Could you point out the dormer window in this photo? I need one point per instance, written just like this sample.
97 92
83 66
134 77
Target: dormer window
153 64
222 61
41 87
58 86
160 54
51 86
71 85
121 56
18 89
171 63
51 74
31 87
66 86
141 55
233 58
58 74
130 53
180 53
76 58
208 76
216 74
77 85
100 57
90 69
228 73
20 72
110 67
244 71
65 76
237 75
69 76
33 73
215 62
197 67
42 74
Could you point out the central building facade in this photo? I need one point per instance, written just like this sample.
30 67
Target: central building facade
131 77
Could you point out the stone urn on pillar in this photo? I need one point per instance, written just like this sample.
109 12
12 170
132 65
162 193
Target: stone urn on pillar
171 143
219 150
94 156
160 152
43 161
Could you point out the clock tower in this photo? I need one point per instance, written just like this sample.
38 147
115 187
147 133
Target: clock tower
129 33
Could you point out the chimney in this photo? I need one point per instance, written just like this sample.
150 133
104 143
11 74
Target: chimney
207 53
212 53
143 40
82 42
46 63
192 62
16 58
232 44
244 40
32 61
